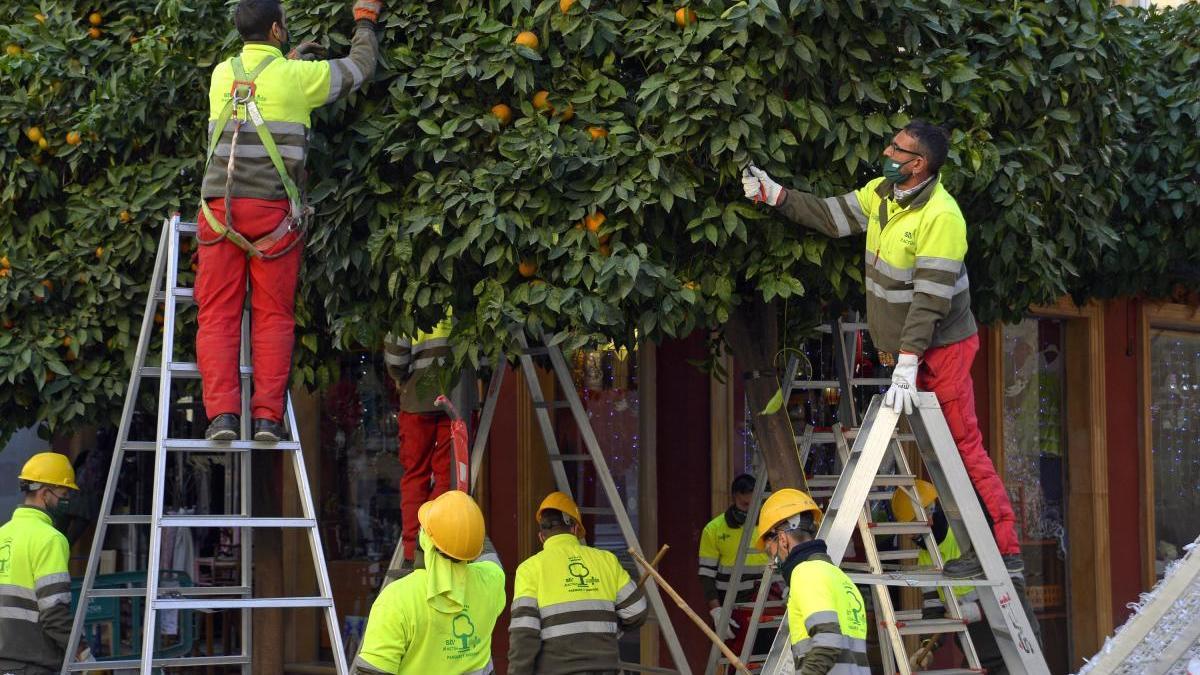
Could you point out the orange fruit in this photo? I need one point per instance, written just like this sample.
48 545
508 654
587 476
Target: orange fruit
39 17
50 376
527 38
597 132
594 221
95 18
541 101
71 356
4 262
159 318
13 50
99 251
49 285
133 39
125 217
95 33
34 134
43 143
605 250
66 342
684 16
527 268
5 272
503 113
564 6
73 138
569 113
691 286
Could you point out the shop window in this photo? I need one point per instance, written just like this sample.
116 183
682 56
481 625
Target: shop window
1035 472
1174 364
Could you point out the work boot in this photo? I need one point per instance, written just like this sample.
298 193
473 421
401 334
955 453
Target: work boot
267 431
967 566
223 427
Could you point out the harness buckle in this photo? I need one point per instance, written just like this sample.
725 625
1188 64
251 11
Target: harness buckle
242 92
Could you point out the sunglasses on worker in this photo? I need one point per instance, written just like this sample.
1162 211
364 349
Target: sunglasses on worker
895 148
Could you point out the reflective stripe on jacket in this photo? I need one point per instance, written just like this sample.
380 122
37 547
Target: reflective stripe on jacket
35 591
421 367
570 602
825 609
718 556
918 294
287 92
406 635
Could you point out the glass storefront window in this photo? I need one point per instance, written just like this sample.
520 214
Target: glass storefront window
1035 472
1175 448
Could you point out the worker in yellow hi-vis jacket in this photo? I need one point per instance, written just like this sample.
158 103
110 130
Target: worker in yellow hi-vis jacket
570 602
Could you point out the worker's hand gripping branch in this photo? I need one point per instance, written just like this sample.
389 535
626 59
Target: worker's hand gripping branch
308 51
368 10
902 395
759 187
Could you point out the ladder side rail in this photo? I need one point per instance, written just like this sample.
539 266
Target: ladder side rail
114 468
308 510
486 417
760 601
149 625
540 412
610 489
245 481
847 405
735 577
1001 604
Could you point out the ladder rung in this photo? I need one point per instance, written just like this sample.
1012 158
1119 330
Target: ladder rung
187 370
242 603
931 626
875 495
852 433
179 662
597 510
854 327
181 294
185 591
551 405
884 480
570 458
201 445
767 604
815 384
949 671
128 520
905 554
871 382
235 521
187 227
890 529
535 351
922 578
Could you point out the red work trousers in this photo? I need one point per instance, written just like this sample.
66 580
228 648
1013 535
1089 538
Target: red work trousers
946 371
425 457
221 294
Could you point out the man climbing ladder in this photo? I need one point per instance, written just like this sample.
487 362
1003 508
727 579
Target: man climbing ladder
251 211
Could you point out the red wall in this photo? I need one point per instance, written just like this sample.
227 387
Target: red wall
501 506
684 474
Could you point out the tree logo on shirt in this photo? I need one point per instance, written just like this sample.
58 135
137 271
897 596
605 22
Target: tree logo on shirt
463 629
858 613
5 556
579 576
907 237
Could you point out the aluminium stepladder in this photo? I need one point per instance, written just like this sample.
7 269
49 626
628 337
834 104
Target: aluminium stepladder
1001 605
164 289
592 454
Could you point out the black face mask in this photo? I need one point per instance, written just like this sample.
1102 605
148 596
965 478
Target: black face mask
735 517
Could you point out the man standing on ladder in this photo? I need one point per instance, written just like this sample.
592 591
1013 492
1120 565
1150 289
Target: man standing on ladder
439 618
252 213
719 542
423 369
918 299
35 585
570 602
826 614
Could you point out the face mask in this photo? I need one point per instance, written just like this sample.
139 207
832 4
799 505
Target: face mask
891 169
59 510
735 516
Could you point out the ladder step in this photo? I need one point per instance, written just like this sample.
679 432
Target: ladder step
201 445
915 579
815 384
235 521
551 405
184 591
187 370
931 626
828 481
179 662
890 529
596 511
183 295
187 227
905 554
570 458
128 520
949 671
874 495
852 433
243 603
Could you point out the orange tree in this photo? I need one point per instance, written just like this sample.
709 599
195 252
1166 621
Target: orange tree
568 166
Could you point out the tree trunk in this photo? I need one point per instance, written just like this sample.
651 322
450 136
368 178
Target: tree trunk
753 334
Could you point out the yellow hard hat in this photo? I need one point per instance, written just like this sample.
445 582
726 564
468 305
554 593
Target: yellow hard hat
455 524
902 506
561 501
780 506
49 468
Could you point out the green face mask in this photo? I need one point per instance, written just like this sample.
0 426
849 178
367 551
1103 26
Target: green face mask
60 509
891 169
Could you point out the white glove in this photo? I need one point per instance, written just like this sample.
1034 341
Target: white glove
733 625
902 395
759 187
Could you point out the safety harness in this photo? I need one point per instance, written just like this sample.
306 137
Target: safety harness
243 94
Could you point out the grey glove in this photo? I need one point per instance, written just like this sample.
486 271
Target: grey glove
307 51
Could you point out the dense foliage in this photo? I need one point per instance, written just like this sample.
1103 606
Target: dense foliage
428 196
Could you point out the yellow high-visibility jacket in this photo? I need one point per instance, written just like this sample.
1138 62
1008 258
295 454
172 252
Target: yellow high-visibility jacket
35 592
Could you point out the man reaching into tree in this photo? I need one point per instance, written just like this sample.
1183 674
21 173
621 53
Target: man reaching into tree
918 298
260 107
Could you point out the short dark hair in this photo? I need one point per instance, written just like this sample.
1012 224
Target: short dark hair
553 520
933 141
742 485
254 18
